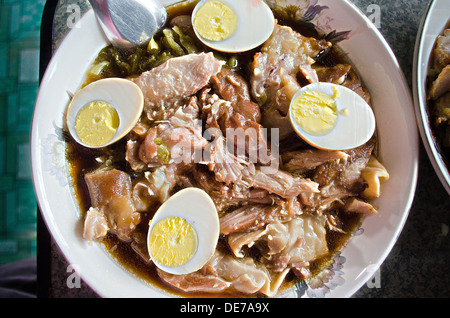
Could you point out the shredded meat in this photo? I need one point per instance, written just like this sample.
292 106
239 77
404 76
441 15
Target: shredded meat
244 135
281 183
233 88
338 180
309 159
175 79
176 140
249 218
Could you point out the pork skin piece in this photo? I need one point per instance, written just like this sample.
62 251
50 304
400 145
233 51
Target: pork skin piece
305 241
300 239
285 245
271 236
177 78
225 273
110 193
195 282
290 245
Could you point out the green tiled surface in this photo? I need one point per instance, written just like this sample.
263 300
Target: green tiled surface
19 75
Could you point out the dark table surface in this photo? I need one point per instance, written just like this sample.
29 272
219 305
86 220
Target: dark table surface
418 265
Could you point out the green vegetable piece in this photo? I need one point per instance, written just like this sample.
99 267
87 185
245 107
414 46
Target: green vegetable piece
176 48
134 61
232 62
162 151
185 40
163 57
153 47
124 68
96 69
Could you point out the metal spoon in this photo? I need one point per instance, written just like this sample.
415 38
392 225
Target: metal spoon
129 23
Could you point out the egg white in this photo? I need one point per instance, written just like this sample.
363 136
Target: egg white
355 123
195 206
125 96
255 25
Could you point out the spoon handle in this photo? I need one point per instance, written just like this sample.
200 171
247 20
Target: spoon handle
129 23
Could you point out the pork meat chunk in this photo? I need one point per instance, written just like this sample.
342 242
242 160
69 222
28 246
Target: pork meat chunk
177 78
274 74
110 193
224 273
284 52
233 88
442 50
281 183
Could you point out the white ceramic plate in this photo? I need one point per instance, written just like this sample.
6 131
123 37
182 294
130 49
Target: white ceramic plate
363 255
433 24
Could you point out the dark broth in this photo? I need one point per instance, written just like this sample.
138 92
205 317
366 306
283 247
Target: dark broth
82 160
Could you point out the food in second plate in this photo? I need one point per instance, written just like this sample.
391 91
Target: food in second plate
439 92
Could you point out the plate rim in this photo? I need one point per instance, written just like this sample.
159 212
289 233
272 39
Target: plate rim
365 275
436 159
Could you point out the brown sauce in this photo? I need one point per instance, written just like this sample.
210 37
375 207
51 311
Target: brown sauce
82 160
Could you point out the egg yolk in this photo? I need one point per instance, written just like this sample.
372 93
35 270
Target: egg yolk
96 123
173 242
215 21
315 112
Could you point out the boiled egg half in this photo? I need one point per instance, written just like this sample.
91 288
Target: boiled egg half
331 117
104 111
184 232
233 25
